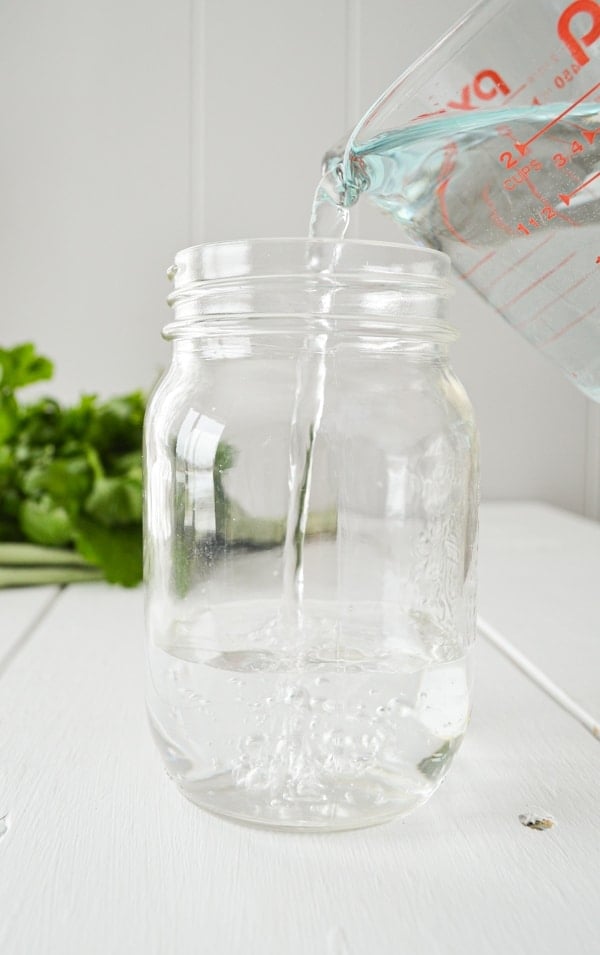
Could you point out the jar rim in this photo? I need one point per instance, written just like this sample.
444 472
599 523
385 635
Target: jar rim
365 260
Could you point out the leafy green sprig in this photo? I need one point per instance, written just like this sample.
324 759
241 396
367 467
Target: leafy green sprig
70 481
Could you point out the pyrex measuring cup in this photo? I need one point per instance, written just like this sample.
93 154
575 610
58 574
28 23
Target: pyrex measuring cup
488 148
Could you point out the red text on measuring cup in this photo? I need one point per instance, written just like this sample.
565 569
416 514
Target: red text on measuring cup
484 86
573 43
492 87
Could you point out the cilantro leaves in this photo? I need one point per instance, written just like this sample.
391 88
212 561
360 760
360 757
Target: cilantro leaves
70 481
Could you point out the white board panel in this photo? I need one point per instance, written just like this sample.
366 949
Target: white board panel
95 172
274 94
103 855
21 607
539 574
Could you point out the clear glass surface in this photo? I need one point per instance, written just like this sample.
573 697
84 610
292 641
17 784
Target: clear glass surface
488 148
311 513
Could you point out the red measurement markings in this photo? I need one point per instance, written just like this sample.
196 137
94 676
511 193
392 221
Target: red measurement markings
494 214
514 265
548 208
486 258
566 197
571 175
558 298
515 92
537 282
522 147
567 328
561 215
450 152
589 134
441 194
575 146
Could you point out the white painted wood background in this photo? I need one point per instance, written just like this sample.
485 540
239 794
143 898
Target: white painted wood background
102 856
132 128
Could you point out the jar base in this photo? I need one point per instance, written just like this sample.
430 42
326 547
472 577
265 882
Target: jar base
334 812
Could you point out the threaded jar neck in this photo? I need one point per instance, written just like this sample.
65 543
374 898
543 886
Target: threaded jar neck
388 288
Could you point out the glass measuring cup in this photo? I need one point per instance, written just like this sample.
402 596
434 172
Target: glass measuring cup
488 147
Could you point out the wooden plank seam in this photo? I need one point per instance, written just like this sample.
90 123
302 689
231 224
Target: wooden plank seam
29 631
537 676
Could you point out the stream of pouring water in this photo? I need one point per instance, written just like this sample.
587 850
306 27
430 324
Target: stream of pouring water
306 708
306 421
400 171
301 718
329 220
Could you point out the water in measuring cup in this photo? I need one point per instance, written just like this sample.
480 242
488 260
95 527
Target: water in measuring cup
523 230
354 725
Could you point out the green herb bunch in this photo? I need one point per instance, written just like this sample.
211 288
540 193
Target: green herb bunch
70 482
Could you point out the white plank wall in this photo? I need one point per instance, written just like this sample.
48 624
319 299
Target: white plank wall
135 127
95 182
274 92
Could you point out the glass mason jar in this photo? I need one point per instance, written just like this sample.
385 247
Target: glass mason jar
311 519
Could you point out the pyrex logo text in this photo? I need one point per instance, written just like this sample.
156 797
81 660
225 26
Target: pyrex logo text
481 88
488 84
564 28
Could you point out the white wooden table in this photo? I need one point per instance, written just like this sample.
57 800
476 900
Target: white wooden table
100 855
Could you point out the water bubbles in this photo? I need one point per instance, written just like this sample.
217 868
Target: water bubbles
306 787
378 795
303 735
252 744
281 747
335 738
192 698
444 701
177 715
296 696
257 778
370 744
